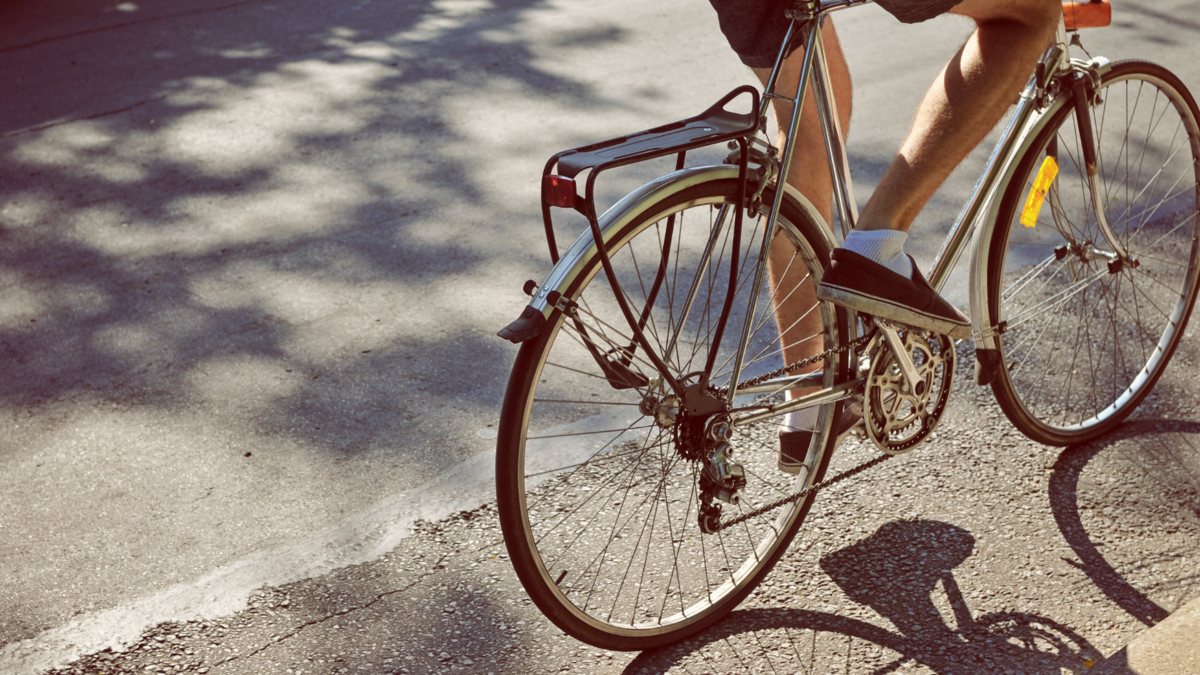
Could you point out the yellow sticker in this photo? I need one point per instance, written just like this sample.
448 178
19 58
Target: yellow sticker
1041 185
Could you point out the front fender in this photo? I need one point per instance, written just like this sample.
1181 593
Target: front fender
984 326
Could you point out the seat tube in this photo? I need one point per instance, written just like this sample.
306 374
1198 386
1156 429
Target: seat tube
835 139
812 38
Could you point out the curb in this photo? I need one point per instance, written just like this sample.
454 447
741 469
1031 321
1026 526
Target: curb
1170 647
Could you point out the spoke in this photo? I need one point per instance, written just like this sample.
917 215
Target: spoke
1191 216
576 370
602 449
590 462
632 559
1170 289
1146 217
550 564
1067 293
1173 263
589 433
598 559
1024 280
1038 339
614 344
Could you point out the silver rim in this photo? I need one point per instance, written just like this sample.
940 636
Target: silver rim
609 505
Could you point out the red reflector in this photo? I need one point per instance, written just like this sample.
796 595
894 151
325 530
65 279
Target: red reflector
559 191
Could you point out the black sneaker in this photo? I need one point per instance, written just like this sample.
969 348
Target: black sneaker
793 445
861 284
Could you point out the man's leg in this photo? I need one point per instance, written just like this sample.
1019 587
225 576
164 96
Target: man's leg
793 292
871 273
965 102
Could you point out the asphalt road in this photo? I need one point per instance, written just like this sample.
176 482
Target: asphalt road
252 258
978 553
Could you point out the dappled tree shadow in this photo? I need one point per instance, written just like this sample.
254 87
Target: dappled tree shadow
248 230
149 226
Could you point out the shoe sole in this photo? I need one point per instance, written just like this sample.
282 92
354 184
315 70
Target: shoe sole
885 309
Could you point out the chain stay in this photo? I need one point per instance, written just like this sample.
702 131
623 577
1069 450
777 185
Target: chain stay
795 497
857 342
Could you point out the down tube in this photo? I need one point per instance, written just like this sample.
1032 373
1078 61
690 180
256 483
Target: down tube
973 210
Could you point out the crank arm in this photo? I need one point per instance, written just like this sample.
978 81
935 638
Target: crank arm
916 384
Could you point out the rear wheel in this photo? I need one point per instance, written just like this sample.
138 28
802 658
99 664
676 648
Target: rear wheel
1084 340
598 489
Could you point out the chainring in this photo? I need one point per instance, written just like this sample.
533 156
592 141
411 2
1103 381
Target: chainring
897 420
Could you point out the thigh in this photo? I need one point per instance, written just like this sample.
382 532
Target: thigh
1020 11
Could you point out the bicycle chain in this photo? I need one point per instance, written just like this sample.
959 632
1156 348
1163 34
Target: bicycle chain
856 342
804 493
859 341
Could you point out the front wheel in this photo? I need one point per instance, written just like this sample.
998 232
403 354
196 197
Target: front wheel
1085 336
598 485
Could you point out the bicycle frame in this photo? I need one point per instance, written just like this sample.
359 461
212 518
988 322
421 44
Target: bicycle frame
976 222
978 217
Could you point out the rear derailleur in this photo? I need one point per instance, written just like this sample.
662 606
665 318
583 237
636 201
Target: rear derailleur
721 477
703 430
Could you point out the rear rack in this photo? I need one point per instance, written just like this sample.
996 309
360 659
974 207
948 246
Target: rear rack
715 125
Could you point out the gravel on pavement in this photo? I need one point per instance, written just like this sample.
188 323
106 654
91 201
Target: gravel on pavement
978 552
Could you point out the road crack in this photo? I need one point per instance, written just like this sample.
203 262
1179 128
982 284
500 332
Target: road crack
438 565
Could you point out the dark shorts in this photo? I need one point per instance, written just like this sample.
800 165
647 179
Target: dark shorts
755 28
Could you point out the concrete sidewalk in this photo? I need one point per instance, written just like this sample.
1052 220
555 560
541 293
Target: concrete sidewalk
1171 647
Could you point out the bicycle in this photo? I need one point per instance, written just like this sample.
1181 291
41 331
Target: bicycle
635 460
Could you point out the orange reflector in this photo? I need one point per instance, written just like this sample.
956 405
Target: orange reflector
559 191
1087 14
1041 185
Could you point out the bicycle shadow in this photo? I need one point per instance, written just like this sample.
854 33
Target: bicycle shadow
896 572
1064 493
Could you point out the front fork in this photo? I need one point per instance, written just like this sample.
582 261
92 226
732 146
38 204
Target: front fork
1085 93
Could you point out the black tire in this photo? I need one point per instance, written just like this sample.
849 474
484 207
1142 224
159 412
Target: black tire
597 503
1084 342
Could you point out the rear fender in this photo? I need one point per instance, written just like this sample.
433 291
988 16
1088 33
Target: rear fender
568 273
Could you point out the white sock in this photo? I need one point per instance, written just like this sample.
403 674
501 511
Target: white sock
885 247
801 420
